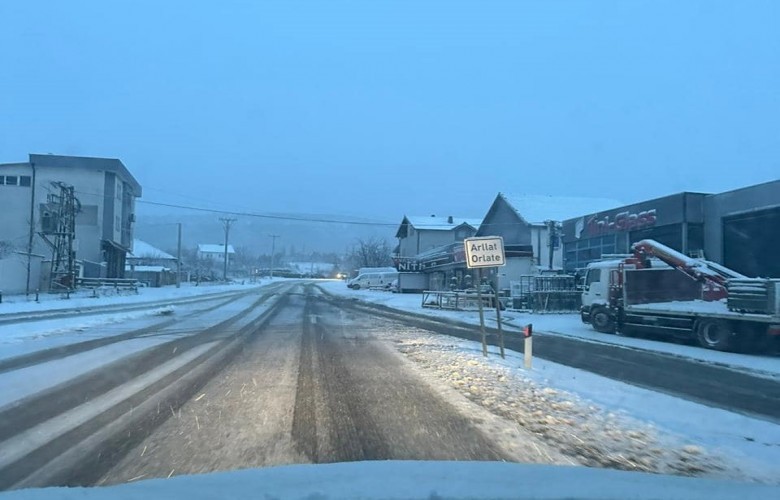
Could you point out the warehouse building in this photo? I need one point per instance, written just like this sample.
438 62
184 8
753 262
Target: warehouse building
742 229
739 229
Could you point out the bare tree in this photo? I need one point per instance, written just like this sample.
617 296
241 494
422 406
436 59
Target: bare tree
6 247
374 252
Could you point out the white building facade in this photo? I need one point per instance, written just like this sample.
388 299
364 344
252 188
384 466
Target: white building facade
106 193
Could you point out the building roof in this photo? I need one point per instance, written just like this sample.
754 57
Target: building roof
434 223
143 250
535 208
220 248
107 164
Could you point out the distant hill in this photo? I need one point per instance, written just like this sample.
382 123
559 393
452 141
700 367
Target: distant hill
295 236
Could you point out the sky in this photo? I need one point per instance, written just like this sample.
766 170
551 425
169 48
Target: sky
379 109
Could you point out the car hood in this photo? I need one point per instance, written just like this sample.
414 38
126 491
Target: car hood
411 479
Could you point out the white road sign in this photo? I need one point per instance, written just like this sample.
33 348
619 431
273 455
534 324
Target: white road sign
485 252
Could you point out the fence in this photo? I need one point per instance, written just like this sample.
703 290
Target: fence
456 300
553 293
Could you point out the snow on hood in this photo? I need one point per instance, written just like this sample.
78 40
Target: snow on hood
415 479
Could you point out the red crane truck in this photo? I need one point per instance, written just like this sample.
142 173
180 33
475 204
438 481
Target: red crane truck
661 291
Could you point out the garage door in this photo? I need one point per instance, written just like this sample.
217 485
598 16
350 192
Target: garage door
751 242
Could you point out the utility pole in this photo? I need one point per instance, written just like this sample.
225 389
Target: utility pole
273 251
178 260
226 222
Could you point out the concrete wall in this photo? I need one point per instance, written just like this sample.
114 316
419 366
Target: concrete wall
514 268
718 206
88 185
13 273
541 243
15 208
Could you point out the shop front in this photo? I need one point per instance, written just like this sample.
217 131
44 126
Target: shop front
742 229
676 221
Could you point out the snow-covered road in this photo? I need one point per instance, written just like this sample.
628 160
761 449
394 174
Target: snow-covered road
329 381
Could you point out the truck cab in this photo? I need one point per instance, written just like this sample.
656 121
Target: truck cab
595 295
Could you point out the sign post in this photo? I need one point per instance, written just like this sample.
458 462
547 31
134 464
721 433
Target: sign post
486 252
481 313
498 319
528 346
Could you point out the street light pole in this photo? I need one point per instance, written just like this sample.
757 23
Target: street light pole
273 251
226 222
178 260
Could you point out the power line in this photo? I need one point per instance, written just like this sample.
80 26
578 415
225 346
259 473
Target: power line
302 218
267 216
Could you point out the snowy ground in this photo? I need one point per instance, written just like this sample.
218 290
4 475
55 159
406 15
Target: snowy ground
26 381
598 420
568 325
108 296
25 337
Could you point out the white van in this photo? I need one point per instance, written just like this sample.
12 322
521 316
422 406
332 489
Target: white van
368 280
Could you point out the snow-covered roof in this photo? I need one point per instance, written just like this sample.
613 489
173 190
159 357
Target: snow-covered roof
143 250
440 223
209 248
537 208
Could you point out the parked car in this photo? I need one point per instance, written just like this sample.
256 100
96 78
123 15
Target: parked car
369 280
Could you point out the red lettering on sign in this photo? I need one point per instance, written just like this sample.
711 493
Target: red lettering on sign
622 221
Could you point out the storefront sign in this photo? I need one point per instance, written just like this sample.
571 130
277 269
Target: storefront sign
622 221
407 264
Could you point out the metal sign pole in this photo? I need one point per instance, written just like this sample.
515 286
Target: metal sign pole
481 313
498 318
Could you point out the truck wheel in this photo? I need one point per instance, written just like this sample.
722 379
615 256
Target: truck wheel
356 287
601 320
714 334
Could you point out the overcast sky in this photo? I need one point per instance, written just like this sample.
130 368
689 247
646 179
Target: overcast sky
378 109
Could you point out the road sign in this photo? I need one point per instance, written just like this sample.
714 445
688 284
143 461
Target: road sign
485 252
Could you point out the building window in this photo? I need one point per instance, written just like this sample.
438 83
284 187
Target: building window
10 180
25 181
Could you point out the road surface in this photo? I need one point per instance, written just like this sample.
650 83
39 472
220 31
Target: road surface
289 375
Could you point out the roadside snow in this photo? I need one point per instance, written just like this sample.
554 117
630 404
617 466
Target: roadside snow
20 332
598 421
107 296
568 325
22 382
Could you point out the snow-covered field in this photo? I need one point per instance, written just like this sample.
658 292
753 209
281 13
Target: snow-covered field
567 325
